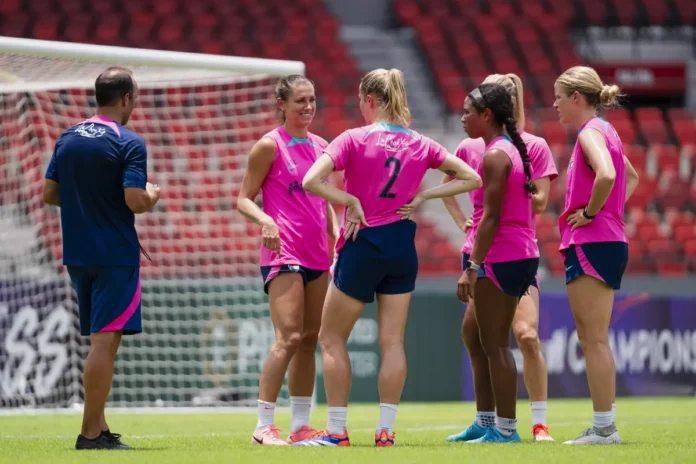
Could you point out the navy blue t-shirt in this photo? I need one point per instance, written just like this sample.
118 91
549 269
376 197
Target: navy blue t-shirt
93 162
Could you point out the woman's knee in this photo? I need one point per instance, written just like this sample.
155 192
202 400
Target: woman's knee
289 340
527 339
470 330
390 341
494 346
329 341
590 341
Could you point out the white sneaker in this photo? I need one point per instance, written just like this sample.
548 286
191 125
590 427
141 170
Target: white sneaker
268 436
591 437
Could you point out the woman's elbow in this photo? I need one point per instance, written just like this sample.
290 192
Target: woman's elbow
607 177
491 218
309 185
475 181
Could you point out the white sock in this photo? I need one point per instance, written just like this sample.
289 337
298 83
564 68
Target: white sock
539 412
387 415
300 407
485 418
505 426
266 414
613 409
338 417
602 419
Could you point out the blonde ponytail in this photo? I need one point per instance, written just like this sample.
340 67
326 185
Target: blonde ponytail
609 96
388 88
586 82
513 84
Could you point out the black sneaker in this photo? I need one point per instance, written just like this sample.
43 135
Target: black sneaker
115 438
102 442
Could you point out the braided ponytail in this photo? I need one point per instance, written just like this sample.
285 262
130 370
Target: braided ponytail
496 98
511 128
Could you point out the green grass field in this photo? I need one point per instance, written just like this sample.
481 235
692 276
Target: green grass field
653 430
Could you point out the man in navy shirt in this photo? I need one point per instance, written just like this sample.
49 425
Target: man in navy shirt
98 177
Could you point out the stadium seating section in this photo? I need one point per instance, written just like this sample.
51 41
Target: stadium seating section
462 40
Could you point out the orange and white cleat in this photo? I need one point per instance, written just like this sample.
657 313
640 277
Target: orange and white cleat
541 433
384 438
304 433
324 438
269 435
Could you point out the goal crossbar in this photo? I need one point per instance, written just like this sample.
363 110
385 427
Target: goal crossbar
80 52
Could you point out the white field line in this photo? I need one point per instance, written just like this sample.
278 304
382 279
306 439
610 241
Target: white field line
434 428
153 410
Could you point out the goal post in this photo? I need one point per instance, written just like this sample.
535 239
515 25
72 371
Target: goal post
205 315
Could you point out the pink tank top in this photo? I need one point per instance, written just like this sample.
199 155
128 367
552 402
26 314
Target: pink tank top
384 166
299 215
608 225
515 238
541 160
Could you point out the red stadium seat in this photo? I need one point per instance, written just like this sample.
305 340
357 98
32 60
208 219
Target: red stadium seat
171 29
14 25
680 114
78 29
683 233
165 7
554 133
626 12
657 11
46 28
654 132
8 7
595 11
686 10
673 267
636 155
626 130
666 156
685 130
617 114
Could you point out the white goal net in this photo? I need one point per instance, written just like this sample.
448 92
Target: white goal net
205 316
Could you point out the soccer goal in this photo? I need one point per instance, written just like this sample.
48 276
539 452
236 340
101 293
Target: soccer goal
205 316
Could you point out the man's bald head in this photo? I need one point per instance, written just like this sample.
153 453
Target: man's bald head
112 85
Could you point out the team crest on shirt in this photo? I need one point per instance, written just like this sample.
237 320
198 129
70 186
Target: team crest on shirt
295 186
392 142
292 165
90 130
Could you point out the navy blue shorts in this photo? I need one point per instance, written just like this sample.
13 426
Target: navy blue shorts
512 277
381 260
108 298
268 273
605 261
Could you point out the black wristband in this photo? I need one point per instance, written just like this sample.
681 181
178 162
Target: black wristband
587 216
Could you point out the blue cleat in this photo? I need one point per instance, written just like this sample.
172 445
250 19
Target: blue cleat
494 436
472 433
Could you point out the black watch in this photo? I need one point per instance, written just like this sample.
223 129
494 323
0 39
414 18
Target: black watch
587 216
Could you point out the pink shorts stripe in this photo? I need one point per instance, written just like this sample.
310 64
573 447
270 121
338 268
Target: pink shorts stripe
587 268
120 322
273 274
491 275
